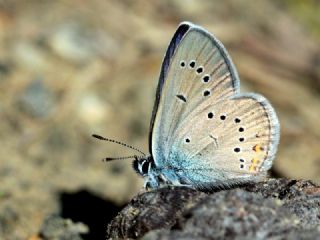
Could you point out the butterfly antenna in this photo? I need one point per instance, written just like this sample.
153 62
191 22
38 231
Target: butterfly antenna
108 159
117 142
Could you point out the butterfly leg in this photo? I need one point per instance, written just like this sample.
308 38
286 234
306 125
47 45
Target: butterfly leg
171 178
151 182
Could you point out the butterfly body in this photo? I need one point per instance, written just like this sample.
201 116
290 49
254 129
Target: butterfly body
203 131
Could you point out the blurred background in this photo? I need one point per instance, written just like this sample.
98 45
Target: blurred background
70 68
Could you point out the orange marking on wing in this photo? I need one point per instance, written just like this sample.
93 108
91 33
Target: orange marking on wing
255 161
257 148
252 168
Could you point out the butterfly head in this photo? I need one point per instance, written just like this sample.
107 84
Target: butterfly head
146 167
142 165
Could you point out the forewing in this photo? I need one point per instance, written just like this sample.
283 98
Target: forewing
199 64
181 31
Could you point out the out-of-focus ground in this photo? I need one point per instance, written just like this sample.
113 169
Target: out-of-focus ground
70 68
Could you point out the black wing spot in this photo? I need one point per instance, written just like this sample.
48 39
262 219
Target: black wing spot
241 129
241 139
182 98
206 93
241 160
187 140
182 63
199 70
237 120
206 78
192 64
236 149
210 115
223 117
241 166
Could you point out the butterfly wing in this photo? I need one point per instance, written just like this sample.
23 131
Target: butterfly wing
202 126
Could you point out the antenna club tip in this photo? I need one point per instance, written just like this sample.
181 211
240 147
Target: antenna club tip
117 142
96 136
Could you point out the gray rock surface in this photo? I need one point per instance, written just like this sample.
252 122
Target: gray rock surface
57 228
273 209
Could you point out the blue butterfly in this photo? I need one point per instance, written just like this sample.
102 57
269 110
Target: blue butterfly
204 133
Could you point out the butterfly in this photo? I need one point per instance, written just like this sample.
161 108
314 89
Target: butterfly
204 133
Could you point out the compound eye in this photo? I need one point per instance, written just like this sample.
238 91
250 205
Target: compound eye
144 167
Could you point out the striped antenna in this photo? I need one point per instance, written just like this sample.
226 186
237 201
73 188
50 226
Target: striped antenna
108 159
117 142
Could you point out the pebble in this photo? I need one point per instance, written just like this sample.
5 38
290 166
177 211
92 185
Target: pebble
37 100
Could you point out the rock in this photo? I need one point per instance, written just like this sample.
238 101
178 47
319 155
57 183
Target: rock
275 208
82 44
37 100
57 228
30 56
92 110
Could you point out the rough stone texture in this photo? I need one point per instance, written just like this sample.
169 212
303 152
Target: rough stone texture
275 208
57 228
153 210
